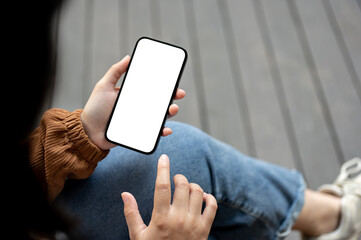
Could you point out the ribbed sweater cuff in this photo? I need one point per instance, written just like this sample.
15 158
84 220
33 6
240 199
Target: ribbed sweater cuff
80 140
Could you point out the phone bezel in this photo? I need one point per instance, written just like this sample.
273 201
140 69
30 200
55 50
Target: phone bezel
170 101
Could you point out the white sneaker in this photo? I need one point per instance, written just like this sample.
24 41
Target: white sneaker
348 187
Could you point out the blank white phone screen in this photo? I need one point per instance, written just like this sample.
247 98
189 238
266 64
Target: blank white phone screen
145 95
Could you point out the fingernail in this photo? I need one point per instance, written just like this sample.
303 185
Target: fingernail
204 196
164 158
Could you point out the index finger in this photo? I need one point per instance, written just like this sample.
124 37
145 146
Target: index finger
162 192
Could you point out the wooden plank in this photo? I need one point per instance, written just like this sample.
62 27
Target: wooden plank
125 45
173 30
341 96
345 17
236 72
197 71
139 21
105 47
269 131
70 59
222 105
278 84
313 139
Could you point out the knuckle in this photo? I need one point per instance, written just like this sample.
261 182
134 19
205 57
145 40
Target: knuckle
196 188
100 84
162 185
213 199
161 223
163 167
114 69
180 224
113 66
181 181
130 212
213 205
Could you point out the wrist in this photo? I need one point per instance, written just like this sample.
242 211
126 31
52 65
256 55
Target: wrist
86 127
80 140
94 133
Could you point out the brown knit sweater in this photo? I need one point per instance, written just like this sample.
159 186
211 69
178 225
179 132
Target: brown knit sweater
60 149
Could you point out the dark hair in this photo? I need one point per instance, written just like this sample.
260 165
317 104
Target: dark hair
29 61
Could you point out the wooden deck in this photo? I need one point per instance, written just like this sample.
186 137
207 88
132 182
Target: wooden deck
279 80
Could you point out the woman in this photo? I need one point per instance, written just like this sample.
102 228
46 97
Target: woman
256 200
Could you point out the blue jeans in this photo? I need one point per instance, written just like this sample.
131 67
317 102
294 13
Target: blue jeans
256 200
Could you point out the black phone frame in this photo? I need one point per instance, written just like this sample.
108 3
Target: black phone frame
170 101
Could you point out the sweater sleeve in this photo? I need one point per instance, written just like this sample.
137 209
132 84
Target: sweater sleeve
60 149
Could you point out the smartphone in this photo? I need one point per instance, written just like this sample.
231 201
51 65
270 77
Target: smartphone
148 88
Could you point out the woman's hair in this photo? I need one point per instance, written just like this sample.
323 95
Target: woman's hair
27 78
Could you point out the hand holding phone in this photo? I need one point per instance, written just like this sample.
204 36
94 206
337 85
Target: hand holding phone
148 88
96 112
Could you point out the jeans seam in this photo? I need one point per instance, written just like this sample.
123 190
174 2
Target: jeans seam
285 227
265 221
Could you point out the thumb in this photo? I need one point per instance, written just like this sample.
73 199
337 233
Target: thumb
117 70
134 220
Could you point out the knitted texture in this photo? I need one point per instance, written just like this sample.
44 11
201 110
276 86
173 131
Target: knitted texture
60 149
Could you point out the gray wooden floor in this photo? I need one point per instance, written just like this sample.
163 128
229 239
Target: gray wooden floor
279 80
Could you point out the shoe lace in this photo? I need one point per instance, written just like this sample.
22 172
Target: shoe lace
350 177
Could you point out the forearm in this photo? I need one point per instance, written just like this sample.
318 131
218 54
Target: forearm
60 149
